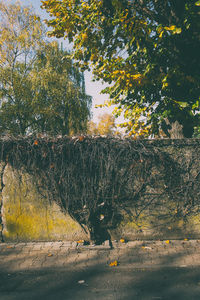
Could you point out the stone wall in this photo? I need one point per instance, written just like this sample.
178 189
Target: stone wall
29 216
174 212
164 205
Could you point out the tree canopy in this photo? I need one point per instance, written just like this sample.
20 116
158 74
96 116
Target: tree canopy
41 90
146 50
61 105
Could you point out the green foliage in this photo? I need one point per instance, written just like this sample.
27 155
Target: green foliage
146 50
21 34
61 105
196 132
41 91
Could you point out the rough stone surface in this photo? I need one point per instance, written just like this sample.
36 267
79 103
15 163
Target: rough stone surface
28 216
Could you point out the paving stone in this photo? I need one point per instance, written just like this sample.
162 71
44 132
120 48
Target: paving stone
21 256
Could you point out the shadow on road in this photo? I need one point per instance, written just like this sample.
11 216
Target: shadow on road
143 273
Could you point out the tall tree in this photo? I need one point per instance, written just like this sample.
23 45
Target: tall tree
40 88
61 105
147 50
21 34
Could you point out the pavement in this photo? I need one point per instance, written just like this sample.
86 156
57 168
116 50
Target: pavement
130 270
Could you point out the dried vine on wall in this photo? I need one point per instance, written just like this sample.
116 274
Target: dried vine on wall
98 180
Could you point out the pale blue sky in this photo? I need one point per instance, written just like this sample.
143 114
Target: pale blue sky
92 88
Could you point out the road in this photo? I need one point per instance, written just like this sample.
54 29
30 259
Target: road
69 271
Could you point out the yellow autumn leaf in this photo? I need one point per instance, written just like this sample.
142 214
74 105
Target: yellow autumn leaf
136 76
113 263
101 217
84 37
172 27
80 241
177 30
160 35
93 57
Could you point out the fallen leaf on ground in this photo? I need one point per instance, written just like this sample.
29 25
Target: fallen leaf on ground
146 247
50 254
101 204
81 281
80 241
113 263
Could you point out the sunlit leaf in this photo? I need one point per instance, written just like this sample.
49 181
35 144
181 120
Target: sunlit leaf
113 263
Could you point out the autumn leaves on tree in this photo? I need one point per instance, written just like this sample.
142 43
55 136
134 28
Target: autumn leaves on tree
105 126
146 50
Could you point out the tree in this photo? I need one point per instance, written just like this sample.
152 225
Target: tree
61 105
147 50
105 126
21 35
40 88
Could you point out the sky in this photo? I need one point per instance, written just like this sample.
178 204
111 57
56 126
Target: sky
92 88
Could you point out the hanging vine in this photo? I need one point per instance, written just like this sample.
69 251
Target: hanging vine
97 180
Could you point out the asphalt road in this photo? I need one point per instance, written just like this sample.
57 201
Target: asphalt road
101 283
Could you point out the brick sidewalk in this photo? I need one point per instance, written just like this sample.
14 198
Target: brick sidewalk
133 254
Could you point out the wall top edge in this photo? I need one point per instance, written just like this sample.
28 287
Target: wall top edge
84 138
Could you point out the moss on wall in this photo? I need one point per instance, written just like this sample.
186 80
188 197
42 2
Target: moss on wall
28 216
157 198
149 227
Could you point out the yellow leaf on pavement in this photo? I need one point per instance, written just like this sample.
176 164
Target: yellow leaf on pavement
113 263
80 241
